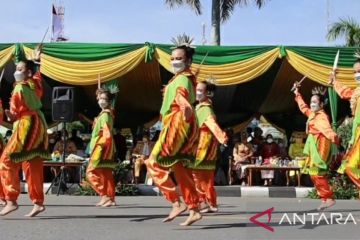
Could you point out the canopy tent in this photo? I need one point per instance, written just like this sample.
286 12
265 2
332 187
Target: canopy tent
253 80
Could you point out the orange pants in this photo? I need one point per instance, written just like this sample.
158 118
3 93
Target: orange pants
323 188
161 177
352 177
2 195
10 180
102 181
204 182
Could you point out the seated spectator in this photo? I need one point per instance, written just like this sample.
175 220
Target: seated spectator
242 154
79 143
141 152
70 149
269 150
70 146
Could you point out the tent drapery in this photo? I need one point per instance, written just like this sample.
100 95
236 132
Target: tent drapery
6 53
80 63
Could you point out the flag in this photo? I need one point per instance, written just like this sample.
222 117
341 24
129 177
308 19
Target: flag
58 24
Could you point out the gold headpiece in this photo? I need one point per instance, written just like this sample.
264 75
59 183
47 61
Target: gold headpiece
182 41
319 91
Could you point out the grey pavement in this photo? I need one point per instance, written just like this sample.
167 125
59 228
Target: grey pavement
75 217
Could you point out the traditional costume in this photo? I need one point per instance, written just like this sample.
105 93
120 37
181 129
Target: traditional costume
99 172
177 141
351 161
317 148
28 145
205 162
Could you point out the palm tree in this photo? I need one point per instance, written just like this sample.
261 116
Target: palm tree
221 11
348 28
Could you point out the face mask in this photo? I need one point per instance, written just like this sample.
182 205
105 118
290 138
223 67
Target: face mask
199 96
52 141
269 140
314 107
357 77
177 66
281 145
19 76
102 103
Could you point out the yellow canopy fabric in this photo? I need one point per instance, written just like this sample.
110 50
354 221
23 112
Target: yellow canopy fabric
86 73
231 73
319 72
5 55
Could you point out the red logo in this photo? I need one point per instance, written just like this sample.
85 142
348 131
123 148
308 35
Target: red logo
264 225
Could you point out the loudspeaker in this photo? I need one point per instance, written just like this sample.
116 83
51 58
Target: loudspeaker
63 104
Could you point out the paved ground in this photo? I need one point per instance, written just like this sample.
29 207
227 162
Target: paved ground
72 217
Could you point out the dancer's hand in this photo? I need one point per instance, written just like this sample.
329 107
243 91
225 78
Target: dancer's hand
187 113
332 77
296 87
37 52
9 115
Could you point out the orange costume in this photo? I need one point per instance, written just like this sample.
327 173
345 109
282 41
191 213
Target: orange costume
317 148
351 162
176 144
102 148
2 195
206 154
27 147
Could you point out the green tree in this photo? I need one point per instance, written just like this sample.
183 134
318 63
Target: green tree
221 11
348 28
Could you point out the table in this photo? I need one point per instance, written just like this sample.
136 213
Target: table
267 167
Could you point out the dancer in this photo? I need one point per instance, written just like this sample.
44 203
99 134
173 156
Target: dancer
99 172
2 196
27 147
206 154
351 162
318 143
176 144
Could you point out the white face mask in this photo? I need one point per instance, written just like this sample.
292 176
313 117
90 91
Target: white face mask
178 66
269 140
103 103
199 96
314 107
19 76
357 77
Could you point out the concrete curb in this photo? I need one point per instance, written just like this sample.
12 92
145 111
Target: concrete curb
243 191
222 191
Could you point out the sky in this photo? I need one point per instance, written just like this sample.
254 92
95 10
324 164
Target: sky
279 22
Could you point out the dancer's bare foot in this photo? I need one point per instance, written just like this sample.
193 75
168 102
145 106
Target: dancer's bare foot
36 210
177 209
204 208
213 209
330 203
322 206
9 207
103 200
194 216
109 203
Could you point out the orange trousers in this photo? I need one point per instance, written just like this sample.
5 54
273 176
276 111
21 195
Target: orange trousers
102 181
204 183
2 195
161 177
9 174
353 178
323 188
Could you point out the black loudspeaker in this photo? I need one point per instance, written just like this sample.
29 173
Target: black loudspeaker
63 104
